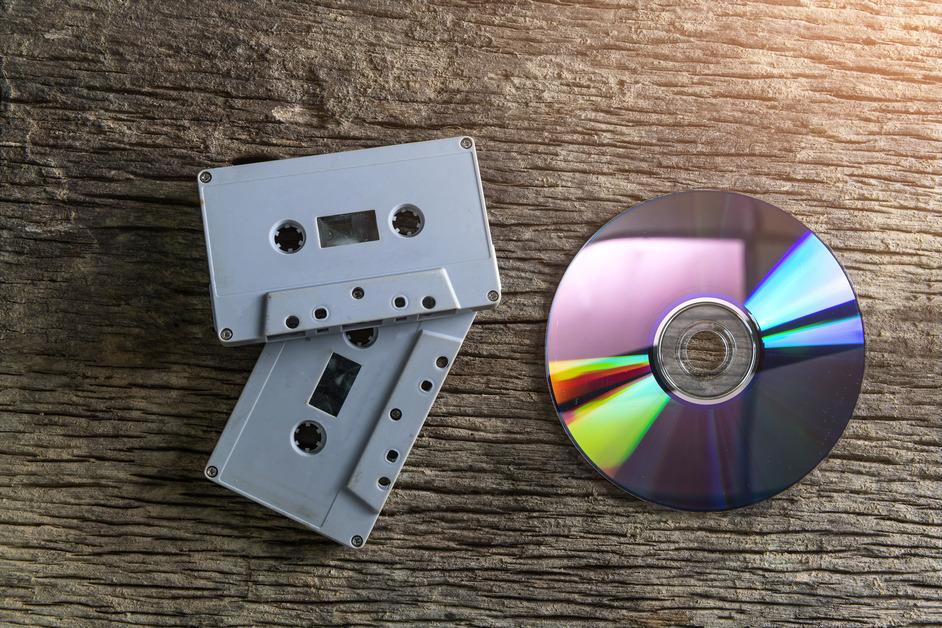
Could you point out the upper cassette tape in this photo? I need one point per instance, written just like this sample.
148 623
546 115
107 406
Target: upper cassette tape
323 243
324 424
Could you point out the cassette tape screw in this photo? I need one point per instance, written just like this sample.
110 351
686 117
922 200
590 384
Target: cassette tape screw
441 362
357 541
466 142
212 471
226 334
395 414
493 295
357 293
206 177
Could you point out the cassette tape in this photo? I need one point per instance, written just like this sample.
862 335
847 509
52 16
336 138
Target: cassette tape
325 423
321 244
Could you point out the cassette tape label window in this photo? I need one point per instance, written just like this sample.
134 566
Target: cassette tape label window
335 384
362 272
343 229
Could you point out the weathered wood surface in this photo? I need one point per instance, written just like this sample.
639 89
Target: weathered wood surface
114 389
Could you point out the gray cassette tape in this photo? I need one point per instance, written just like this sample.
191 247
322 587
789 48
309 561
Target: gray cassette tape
325 423
325 243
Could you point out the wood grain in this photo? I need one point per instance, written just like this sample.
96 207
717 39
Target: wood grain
113 389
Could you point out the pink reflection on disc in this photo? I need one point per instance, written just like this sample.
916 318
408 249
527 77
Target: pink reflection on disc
614 292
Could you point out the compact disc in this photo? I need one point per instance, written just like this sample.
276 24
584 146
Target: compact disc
704 350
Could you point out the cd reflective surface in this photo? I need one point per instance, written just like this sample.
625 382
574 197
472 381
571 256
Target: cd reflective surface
704 350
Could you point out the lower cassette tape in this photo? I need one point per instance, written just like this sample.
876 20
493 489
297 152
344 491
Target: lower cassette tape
324 424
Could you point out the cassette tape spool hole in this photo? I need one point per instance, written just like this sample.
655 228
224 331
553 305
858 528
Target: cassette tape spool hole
362 338
309 437
346 229
288 236
407 220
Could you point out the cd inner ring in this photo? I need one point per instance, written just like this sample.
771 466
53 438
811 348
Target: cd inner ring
705 351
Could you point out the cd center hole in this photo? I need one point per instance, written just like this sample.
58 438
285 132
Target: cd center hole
705 353
362 338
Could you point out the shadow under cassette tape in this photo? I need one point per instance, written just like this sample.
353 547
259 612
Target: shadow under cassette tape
324 424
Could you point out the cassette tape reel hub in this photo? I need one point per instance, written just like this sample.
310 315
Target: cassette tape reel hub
288 237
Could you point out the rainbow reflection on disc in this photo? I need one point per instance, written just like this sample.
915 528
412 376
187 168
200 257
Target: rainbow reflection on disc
773 394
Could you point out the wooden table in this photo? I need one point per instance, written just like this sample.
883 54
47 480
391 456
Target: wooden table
114 388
